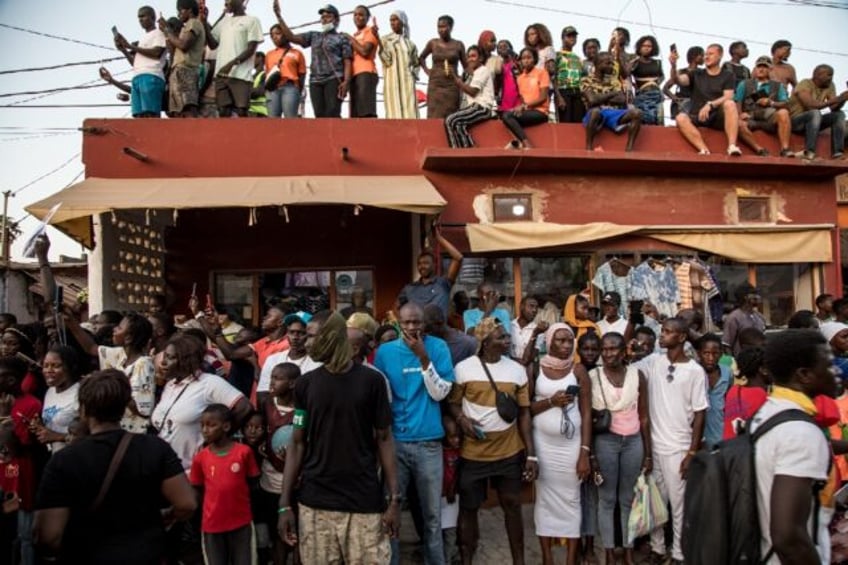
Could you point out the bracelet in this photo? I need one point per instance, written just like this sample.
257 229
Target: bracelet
533 458
586 448
283 510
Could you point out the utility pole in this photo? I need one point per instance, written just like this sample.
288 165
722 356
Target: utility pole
4 245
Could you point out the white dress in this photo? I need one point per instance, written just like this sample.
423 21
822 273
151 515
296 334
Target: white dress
557 509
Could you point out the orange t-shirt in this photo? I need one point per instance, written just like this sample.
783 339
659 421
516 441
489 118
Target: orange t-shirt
365 64
291 63
266 347
532 85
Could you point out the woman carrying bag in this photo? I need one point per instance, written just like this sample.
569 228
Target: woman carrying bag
622 437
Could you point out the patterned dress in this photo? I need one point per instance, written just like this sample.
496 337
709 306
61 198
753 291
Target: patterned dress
400 70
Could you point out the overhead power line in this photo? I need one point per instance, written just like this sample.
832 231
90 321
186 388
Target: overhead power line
45 175
59 37
665 28
62 66
44 106
53 90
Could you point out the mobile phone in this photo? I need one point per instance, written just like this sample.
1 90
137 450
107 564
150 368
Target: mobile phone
673 47
115 31
573 390
841 496
479 433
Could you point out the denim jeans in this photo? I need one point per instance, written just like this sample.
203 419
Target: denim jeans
810 123
284 101
620 461
421 461
25 536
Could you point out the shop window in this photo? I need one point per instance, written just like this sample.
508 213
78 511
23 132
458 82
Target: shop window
777 286
496 271
754 209
554 279
512 207
235 291
308 291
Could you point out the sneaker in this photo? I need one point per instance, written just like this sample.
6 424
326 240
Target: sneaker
763 152
787 153
734 150
704 152
806 155
839 155
514 144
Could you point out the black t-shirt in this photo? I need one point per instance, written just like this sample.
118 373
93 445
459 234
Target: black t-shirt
341 414
706 87
127 528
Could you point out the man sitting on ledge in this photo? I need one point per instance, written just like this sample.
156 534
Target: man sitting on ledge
607 103
712 102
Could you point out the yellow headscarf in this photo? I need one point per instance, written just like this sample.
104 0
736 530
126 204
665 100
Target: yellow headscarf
580 327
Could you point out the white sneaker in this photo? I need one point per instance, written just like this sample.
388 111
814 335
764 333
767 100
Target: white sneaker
733 150
704 152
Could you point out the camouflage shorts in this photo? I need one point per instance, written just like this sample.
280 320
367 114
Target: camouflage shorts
329 537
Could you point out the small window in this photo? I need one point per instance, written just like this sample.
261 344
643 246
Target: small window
513 207
754 210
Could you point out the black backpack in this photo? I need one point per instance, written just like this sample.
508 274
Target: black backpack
720 517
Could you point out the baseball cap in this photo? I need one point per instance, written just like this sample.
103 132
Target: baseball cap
570 30
299 316
612 297
763 60
329 8
363 321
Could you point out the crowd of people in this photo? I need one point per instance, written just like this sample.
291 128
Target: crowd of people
190 67
126 439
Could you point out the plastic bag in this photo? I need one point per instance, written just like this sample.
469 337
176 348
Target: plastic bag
648 510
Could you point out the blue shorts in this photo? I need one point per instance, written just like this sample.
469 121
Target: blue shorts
610 118
146 95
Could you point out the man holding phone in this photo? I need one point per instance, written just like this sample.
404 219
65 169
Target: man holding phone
420 374
487 305
147 58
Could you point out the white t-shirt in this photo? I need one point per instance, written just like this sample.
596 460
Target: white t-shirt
617 326
143 65
233 33
481 80
60 409
305 363
794 449
142 375
519 337
177 416
504 371
673 404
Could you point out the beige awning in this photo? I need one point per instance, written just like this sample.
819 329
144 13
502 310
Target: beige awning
772 244
92 196
511 236
745 244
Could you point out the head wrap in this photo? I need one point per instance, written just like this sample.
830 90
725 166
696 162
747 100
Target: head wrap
557 363
484 329
402 16
830 329
485 37
331 346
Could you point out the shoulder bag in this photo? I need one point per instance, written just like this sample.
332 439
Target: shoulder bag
506 404
121 450
601 419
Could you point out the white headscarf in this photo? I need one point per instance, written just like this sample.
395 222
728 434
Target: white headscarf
402 15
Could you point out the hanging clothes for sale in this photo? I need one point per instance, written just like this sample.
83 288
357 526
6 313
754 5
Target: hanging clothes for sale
612 277
655 282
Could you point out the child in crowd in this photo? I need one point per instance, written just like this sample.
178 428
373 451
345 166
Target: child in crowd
253 436
9 500
279 414
224 472
450 503
719 379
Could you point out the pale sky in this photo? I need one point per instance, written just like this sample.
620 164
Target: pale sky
36 141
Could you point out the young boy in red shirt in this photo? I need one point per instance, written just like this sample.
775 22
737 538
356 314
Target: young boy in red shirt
225 472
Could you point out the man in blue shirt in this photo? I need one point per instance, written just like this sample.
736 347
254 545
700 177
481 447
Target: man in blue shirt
430 288
762 104
487 305
420 374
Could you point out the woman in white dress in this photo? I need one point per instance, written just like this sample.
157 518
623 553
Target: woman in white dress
562 433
